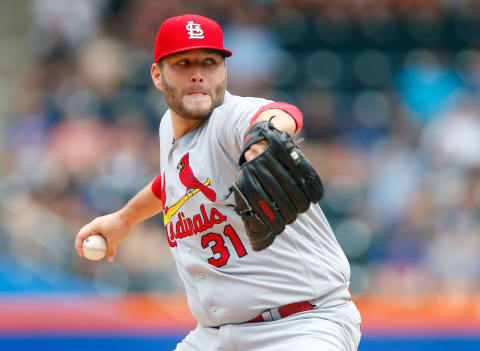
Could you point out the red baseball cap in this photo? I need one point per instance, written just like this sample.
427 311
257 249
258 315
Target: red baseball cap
188 32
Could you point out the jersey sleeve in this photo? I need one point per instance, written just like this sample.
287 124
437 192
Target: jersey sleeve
233 121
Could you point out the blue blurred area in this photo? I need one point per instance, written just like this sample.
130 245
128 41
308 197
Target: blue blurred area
19 277
168 343
420 343
428 90
87 342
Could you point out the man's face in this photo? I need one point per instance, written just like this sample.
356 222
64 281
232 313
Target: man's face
193 82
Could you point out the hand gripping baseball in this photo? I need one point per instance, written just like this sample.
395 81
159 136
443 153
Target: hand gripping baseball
273 188
112 227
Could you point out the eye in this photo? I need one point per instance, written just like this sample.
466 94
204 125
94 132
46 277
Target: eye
210 61
183 63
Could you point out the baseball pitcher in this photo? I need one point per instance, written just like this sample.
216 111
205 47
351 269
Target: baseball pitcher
261 266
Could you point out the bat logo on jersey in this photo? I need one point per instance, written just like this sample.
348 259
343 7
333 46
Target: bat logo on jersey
194 30
188 179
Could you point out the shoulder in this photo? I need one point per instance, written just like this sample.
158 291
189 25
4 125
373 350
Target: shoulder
165 130
231 120
165 119
237 108
242 103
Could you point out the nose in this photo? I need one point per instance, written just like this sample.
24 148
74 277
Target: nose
196 76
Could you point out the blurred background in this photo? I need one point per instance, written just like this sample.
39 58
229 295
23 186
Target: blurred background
390 93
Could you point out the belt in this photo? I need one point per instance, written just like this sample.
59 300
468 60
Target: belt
276 313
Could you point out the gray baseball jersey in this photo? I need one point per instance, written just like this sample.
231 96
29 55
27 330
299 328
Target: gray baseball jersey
225 280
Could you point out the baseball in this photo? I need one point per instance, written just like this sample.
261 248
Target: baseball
94 247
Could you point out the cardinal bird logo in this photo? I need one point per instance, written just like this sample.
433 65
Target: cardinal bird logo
191 182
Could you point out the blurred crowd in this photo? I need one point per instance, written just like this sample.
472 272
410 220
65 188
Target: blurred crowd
390 94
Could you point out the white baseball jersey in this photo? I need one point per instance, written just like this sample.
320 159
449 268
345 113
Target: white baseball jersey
225 280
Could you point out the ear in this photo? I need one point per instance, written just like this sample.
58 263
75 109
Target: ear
157 76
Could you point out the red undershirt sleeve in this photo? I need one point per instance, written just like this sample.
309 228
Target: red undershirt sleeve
157 186
292 110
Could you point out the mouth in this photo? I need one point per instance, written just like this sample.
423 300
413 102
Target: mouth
196 93
197 97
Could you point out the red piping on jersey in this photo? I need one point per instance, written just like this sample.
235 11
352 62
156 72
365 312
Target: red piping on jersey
157 186
293 111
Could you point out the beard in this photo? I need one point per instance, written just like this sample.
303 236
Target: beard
174 99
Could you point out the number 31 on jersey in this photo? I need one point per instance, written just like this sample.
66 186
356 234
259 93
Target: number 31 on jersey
221 254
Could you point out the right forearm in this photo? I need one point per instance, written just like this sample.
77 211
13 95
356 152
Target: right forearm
141 207
115 227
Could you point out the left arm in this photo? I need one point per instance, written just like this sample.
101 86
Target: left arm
281 120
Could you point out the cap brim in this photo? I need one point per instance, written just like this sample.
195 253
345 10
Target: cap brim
224 52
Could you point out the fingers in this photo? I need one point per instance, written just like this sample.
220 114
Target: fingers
82 235
85 232
249 155
107 226
111 250
255 150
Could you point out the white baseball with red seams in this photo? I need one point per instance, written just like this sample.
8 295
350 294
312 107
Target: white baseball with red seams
226 282
94 247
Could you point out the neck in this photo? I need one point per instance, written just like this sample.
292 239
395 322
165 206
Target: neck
182 126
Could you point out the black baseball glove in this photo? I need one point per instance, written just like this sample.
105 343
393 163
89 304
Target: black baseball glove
273 188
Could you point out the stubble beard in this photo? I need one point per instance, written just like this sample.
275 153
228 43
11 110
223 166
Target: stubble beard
174 99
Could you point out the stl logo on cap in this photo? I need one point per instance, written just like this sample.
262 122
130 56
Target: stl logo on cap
194 30
178 34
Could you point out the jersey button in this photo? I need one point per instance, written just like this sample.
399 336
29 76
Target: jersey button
213 308
201 275
188 250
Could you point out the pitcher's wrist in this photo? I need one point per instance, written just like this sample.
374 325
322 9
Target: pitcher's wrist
126 218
